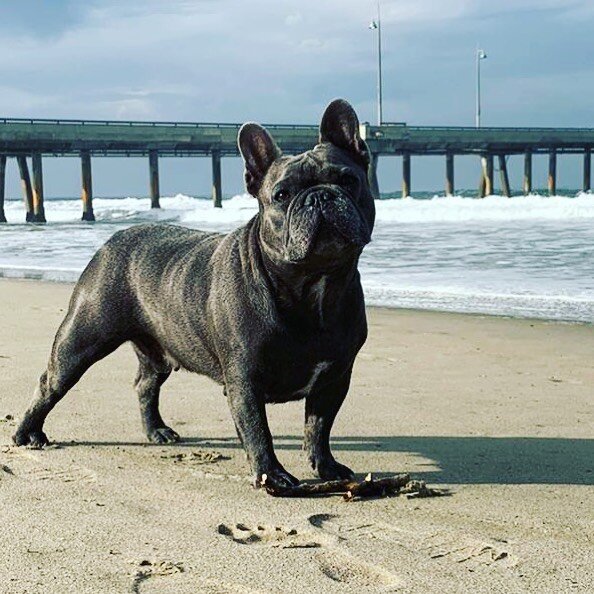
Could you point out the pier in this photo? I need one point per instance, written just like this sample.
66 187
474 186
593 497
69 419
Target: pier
33 140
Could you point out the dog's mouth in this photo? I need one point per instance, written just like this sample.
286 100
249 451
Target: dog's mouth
324 220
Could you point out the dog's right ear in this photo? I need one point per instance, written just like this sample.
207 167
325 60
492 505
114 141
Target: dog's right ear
259 151
340 126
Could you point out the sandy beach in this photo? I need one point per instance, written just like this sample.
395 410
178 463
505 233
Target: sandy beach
498 410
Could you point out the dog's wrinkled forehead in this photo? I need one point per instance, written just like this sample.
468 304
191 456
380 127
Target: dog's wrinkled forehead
315 166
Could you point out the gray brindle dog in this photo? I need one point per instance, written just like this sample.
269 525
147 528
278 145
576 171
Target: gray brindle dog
273 311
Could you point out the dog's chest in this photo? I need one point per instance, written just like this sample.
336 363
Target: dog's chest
314 376
296 367
294 382
305 356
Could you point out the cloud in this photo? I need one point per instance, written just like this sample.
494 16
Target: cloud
293 19
230 60
130 109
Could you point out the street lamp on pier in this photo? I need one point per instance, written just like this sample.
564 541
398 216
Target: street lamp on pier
376 25
480 56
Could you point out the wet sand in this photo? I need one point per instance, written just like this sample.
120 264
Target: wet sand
500 411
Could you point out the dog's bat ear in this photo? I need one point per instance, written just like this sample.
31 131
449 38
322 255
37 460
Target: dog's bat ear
340 126
259 151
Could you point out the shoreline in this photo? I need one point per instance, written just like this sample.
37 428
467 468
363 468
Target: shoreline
525 258
387 308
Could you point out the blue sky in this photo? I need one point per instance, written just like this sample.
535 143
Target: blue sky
282 61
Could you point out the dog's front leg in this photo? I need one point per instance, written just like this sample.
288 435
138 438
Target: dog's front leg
249 414
321 408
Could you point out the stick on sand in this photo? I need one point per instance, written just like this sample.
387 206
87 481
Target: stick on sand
400 484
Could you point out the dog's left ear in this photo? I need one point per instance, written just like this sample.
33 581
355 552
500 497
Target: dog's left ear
259 151
340 126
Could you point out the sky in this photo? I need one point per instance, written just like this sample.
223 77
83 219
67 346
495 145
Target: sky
282 61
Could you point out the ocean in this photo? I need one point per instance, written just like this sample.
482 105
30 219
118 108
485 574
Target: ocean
522 257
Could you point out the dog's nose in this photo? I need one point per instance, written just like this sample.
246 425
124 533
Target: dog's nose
319 196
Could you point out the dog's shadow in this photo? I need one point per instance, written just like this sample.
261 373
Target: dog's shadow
454 460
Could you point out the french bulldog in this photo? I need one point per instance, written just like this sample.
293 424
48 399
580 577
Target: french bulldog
273 311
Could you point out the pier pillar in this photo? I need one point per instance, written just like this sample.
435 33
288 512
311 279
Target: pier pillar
87 186
481 188
2 187
154 178
552 172
217 189
486 185
587 185
527 185
489 175
26 185
405 174
449 189
372 175
505 189
37 168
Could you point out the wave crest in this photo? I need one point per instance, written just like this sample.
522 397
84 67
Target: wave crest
239 209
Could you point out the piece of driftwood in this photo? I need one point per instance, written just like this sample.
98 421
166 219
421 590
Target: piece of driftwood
401 484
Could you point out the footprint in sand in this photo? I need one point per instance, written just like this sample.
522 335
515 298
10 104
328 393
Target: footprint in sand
149 574
71 474
211 586
220 476
346 569
467 551
150 569
194 461
4 469
456 547
197 457
274 536
339 566
29 465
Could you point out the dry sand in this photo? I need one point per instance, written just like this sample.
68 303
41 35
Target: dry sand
500 410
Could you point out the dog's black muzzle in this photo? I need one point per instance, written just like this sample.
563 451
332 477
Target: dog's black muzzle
323 218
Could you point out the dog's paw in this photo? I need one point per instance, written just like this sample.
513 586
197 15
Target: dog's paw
162 435
275 478
328 469
32 439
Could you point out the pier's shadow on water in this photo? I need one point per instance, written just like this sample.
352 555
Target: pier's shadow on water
455 460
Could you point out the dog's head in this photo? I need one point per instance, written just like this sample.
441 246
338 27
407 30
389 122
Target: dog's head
316 208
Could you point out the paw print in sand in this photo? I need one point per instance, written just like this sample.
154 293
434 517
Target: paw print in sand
274 536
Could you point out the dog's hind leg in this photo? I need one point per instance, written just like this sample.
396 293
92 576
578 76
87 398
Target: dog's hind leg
80 342
153 370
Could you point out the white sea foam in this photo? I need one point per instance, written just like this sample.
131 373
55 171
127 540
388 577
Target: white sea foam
179 208
240 208
454 209
469 300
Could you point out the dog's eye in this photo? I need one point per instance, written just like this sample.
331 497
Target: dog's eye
281 195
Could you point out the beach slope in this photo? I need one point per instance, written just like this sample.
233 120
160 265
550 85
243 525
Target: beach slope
498 410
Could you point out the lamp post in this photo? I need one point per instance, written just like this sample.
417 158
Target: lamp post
376 25
480 55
